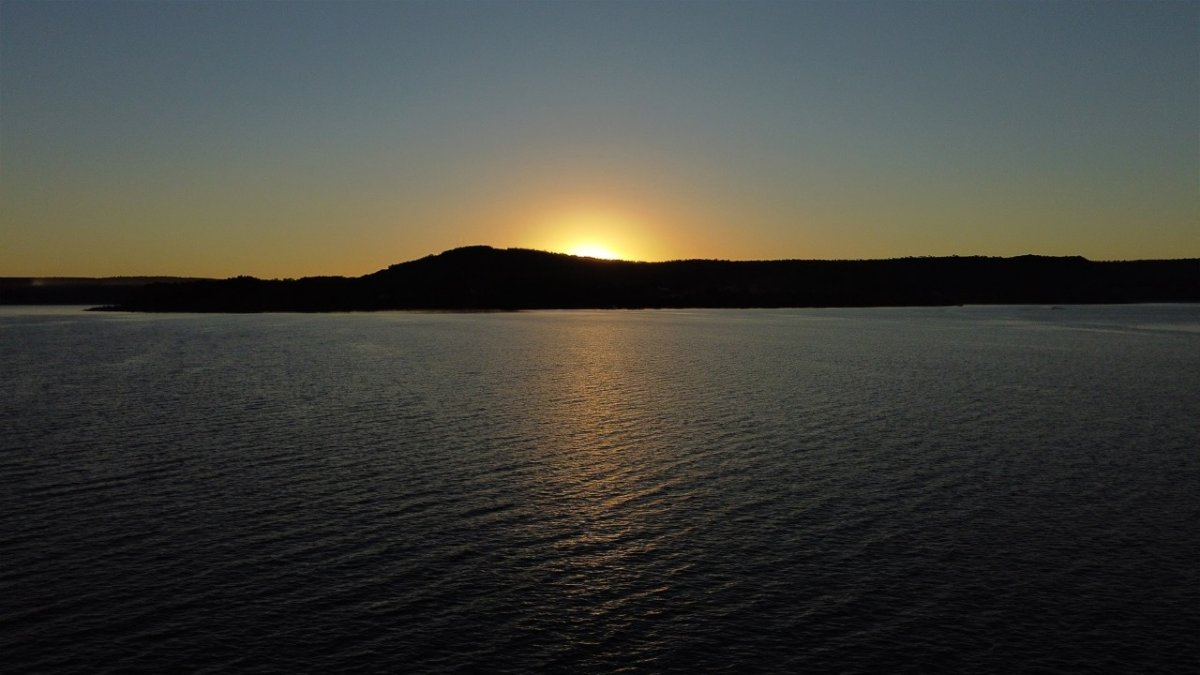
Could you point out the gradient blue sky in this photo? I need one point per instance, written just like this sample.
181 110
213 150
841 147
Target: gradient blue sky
300 138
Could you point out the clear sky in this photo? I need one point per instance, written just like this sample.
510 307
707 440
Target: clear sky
302 138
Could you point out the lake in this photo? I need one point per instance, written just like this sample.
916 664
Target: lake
960 489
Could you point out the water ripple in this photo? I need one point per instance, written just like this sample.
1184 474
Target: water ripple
959 490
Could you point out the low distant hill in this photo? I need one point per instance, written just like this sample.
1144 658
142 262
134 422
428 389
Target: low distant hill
481 277
76 290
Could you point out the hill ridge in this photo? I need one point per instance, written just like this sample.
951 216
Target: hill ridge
482 277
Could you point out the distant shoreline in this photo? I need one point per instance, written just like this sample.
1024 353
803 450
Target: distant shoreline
481 278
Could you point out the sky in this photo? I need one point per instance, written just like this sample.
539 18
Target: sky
287 139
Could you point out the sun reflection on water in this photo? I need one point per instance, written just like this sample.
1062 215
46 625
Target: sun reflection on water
601 453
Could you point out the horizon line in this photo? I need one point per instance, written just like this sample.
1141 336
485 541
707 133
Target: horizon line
135 277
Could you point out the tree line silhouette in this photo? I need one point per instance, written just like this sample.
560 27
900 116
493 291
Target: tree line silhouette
481 277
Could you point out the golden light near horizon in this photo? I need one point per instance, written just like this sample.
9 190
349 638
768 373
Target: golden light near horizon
591 232
593 250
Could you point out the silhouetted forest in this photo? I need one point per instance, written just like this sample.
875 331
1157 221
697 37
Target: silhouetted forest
485 278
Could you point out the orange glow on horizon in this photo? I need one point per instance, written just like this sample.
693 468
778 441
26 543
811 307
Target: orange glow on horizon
593 250
591 232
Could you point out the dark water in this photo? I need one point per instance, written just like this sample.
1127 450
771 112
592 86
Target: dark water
1010 489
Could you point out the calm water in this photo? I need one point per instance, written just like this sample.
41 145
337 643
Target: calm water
1010 489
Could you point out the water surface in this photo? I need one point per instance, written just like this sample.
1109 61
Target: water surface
978 489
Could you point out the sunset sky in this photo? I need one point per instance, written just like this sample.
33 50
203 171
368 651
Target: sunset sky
284 139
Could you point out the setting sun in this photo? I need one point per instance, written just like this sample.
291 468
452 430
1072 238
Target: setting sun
590 250
589 231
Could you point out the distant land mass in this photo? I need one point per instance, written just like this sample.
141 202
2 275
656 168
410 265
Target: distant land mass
76 290
486 278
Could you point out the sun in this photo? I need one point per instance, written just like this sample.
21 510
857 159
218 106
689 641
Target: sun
593 250
588 231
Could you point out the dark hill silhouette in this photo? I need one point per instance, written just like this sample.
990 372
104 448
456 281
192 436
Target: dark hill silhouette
481 277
